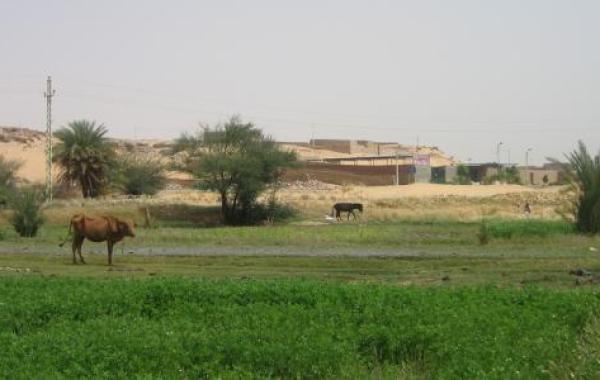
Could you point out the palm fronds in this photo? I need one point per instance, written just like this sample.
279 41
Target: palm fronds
84 155
583 176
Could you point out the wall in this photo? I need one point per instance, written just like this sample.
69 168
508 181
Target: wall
450 174
356 146
342 146
376 162
387 173
536 176
422 174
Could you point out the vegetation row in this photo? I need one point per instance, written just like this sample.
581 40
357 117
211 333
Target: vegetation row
184 328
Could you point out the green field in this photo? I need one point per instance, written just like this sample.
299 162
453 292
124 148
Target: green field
398 299
188 328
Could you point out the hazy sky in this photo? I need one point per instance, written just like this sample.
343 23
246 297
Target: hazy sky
462 75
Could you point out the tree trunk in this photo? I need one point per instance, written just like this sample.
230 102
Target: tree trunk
224 207
84 189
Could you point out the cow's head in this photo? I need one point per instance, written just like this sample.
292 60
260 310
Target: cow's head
126 227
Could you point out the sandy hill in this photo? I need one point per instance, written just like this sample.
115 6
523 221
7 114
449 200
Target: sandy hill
28 147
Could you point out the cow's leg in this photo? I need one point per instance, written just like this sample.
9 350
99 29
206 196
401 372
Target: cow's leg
349 212
79 249
74 246
338 215
110 245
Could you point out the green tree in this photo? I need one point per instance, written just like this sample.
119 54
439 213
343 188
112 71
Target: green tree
85 156
142 175
8 170
239 162
187 142
511 175
583 175
463 176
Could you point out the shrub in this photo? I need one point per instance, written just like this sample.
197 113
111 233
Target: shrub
271 212
545 179
484 233
8 169
509 175
27 215
462 175
142 175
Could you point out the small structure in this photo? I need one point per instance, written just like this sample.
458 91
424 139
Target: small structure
443 174
355 146
538 176
402 158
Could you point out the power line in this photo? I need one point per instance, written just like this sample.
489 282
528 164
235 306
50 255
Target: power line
517 128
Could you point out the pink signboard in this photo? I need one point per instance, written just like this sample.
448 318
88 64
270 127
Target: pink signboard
422 160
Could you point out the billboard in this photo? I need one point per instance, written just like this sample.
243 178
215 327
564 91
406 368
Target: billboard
422 160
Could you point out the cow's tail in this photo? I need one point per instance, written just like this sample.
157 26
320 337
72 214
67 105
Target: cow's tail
68 234
333 211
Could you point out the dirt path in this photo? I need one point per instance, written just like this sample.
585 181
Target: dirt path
98 249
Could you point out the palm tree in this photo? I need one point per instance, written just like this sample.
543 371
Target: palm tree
85 155
583 174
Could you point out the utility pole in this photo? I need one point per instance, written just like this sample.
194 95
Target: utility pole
49 94
527 157
397 168
498 152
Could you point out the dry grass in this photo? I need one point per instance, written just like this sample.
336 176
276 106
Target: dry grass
430 201
440 202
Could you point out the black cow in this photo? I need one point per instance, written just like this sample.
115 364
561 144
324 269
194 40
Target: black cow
338 208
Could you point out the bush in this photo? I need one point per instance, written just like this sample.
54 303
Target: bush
462 175
509 175
271 212
142 175
265 213
484 233
8 169
27 215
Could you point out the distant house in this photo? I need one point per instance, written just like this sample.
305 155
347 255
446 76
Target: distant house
443 174
355 146
479 172
402 158
550 175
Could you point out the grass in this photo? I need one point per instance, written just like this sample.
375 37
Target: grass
440 271
438 305
508 229
444 234
175 327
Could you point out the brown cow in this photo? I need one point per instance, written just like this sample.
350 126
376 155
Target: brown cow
106 228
